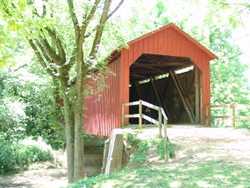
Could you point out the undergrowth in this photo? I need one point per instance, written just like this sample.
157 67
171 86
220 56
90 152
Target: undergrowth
15 156
164 147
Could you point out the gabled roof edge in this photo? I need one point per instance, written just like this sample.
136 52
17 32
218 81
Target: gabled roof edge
179 30
116 53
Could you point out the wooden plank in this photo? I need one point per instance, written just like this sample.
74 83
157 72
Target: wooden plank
197 94
149 105
105 155
160 122
164 114
114 159
140 114
131 103
233 106
185 102
158 98
166 98
132 116
149 119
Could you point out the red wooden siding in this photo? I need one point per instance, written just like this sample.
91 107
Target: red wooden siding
168 41
102 109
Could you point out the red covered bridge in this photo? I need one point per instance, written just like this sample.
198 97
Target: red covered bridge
166 67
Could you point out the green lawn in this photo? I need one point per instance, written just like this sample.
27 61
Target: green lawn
207 174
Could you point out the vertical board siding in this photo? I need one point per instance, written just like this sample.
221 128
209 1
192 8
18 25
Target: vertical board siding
167 42
102 109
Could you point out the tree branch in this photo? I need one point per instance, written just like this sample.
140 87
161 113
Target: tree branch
91 14
48 69
99 30
50 51
73 17
109 16
54 36
115 9
44 52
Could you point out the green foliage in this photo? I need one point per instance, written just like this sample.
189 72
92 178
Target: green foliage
12 115
91 140
25 155
139 148
7 156
140 154
165 147
15 156
90 182
9 43
29 107
132 139
205 174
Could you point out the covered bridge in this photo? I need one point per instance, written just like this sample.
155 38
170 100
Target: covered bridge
167 68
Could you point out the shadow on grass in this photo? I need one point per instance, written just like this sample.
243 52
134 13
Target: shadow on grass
207 174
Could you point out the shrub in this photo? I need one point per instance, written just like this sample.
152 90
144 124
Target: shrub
7 156
165 147
30 107
140 154
25 155
14 156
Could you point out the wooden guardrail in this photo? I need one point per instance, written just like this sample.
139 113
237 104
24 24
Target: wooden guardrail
162 117
230 114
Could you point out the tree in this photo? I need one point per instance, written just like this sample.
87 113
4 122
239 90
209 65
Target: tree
69 53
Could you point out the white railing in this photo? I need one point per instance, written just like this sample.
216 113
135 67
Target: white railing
161 120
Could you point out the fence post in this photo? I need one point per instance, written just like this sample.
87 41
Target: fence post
233 106
140 114
165 140
160 122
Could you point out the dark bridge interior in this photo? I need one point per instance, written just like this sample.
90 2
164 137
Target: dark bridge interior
169 82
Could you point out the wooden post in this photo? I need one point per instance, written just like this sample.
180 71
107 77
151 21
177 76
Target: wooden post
233 106
105 155
140 114
115 152
160 122
197 94
165 140
158 97
185 102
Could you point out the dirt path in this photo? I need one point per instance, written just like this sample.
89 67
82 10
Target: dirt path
42 176
204 144
194 145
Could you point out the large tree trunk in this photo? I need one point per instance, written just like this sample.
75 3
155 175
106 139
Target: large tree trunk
79 103
69 134
79 142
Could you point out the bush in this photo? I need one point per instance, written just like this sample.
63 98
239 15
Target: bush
14 156
140 154
30 107
7 157
25 155
165 147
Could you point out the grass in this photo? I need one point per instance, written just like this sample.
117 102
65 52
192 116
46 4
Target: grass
207 174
